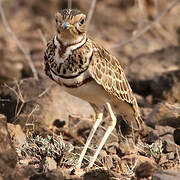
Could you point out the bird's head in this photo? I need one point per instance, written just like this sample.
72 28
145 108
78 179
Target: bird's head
71 25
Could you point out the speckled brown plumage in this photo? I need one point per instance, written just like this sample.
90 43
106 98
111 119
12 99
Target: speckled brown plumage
107 71
87 70
104 68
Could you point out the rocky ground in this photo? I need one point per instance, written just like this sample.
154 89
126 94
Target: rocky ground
43 129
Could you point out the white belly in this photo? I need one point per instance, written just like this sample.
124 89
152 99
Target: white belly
94 93
91 92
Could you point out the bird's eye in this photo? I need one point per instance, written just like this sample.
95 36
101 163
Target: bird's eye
56 21
82 21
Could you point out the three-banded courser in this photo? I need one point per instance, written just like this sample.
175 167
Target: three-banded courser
87 70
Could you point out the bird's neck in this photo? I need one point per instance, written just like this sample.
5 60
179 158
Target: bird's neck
63 51
71 41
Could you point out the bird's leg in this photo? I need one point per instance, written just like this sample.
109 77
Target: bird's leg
93 130
112 125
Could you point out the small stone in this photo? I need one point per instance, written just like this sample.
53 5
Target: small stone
108 162
169 147
163 159
171 156
151 138
49 164
59 123
112 150
103 153
17 136
98 174
8 156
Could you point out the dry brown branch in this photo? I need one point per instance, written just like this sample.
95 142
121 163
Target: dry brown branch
146 28
20 99
42 37
69 4
148 11
90 13
17 93
44 92
19 45
156 7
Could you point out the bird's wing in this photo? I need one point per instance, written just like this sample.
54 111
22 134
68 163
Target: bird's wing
107 71
49 57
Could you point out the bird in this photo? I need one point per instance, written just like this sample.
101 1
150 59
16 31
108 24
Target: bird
86 70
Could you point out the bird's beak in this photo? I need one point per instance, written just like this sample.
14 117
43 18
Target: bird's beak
66 25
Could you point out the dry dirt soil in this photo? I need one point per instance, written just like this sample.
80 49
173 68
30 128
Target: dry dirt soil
43 129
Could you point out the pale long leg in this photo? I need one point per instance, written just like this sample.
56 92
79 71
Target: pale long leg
112 125
93 130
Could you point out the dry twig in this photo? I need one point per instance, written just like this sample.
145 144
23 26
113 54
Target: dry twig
19 45
90 13
69 4
147 28
42 37
20 99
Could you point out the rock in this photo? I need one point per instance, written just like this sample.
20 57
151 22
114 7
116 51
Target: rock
164 114
145 170
42 101
169 146
9 102
49 164
160 78
137 159
166 86
13 73
17 136
176 136
59 123
126 147
162 61
81 126
166 175
141 101
52 175
99 174
24 172
151 138
171 156
105 159
165 133
7 152
162 136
